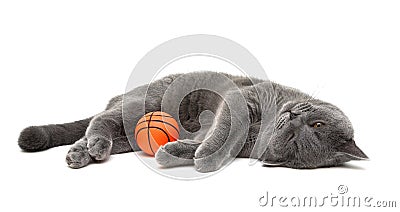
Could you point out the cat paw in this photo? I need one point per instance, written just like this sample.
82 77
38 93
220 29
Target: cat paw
176 153
99 147
167 160
78 157
206 165
205 150
207 160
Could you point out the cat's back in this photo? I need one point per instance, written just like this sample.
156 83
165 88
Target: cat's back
211 79
196 92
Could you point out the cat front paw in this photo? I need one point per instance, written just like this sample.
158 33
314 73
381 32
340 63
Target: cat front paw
207 159
78 157
207 164
178 153
99 147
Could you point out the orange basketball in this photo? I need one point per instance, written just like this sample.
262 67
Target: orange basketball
154 130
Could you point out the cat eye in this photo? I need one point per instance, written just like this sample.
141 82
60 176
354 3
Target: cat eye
317 125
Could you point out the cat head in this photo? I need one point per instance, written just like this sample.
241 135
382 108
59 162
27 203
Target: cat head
311 134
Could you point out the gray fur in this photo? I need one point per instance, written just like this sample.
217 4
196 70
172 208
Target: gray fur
211 140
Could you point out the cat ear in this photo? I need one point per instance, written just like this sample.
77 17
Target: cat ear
351 150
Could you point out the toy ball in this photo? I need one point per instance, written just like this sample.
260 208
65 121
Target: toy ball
154 130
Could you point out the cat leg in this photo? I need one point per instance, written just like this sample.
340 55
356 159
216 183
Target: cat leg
226 137
178 153
101 131
106 132
78 155
181 152
98 142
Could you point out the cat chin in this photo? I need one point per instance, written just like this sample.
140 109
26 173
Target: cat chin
273 163
289 164
268 160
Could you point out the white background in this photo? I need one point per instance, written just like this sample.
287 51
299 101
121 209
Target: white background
62 61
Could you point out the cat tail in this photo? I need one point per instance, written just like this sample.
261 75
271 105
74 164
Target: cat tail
37 138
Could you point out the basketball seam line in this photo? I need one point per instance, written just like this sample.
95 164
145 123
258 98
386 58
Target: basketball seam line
152 127
161 122
148 133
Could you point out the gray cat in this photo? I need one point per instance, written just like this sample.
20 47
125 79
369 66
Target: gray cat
254 118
